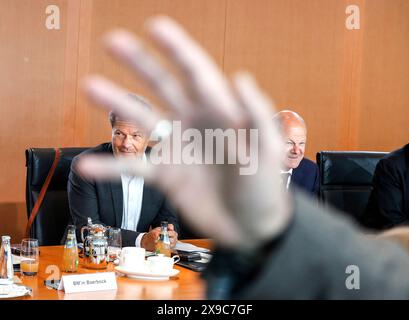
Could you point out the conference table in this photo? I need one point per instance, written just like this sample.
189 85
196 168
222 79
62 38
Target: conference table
186 285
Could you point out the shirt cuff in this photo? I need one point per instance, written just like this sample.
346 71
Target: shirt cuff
139 239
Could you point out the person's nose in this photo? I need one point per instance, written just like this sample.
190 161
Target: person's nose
296 149
127 141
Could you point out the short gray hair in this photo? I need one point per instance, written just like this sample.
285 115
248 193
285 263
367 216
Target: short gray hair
113 117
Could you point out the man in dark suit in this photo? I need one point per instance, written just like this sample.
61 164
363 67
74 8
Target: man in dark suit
297 170
128 202
388 204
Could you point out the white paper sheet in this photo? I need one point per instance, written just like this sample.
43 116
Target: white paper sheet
183 246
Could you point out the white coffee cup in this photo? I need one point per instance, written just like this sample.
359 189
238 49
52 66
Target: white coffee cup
162 265
132 258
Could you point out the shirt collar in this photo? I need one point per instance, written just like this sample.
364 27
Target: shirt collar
288 171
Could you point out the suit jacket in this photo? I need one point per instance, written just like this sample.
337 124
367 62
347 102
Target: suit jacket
388 203
306 177
322 254
103 202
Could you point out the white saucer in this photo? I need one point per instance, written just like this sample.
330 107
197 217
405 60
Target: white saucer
143 275
13 291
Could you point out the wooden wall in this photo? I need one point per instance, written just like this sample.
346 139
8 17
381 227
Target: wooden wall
351 86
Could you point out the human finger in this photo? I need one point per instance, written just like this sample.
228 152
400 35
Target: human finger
202 74
273 212
107 168
108 95
260 109
173 233
173 236
129 50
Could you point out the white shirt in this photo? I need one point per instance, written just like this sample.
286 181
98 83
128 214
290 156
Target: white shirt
287 185
132 189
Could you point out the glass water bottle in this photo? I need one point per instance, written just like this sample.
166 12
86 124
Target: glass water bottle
70 257
163 243
6 263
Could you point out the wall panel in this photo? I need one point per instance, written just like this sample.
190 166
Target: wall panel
350 86
204 19
384 124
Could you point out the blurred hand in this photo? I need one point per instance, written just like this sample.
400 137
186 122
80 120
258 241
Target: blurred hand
149 239
398 234
173 235
237 211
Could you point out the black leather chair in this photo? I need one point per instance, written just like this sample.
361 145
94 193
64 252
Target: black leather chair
54 214
346 179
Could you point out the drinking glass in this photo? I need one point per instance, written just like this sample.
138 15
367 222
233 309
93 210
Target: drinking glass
114 243
29 257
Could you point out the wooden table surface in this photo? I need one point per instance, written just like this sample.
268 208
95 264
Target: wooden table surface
185 286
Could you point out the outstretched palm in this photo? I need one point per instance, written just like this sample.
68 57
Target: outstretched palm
235 209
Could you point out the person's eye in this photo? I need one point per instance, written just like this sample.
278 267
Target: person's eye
119 134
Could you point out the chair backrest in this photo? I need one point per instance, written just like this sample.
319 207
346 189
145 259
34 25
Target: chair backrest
346 179
54 214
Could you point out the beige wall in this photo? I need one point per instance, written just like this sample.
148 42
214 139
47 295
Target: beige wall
350 86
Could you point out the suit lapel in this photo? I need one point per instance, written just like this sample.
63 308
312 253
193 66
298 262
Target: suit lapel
117 200
116 194
297 175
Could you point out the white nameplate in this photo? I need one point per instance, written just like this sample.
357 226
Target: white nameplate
88 282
